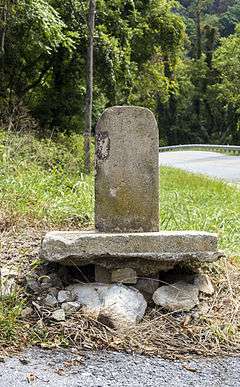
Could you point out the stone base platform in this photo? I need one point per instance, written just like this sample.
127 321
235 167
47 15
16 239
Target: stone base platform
145 252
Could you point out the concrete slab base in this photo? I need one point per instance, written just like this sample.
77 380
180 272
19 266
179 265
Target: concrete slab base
145 252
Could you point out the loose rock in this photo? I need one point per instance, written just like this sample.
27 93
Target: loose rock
126 276
53 292
33 284
204 284
147 286
26 312
88 295
50 300
180 296
118 302
65 296
123 304
58 315
70 307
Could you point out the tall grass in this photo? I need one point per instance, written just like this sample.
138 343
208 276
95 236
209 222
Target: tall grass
42 181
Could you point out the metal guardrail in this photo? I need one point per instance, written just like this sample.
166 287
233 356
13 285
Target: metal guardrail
217 148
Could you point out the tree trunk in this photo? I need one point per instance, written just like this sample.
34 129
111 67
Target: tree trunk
89 89
3 30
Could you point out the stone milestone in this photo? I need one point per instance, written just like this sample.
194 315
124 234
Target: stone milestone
126 234
127 172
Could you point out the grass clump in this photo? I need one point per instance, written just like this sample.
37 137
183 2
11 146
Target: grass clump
12 329
41 180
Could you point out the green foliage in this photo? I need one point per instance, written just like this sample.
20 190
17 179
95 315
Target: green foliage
155 53
203 106
45 56
226 62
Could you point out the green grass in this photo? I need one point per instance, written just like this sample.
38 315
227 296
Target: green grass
42 181
10 328
192 202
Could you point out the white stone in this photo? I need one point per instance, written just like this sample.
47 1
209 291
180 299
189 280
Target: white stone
120 303
70 307
65 296
123 304
204 284
87 295
58 315
180 296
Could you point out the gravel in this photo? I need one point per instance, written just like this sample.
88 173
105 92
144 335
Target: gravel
64 368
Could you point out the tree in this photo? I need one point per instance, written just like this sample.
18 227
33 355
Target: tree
226 62
89 89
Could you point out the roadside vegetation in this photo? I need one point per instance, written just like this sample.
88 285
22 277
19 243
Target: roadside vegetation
42 183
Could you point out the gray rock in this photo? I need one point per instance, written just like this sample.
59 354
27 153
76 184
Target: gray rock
180 296
204 284
46 283
70 307
51 280
33 284
65 296
102 275
126 276
50 300
127 171
118 302
147 286
53 292
144 252
59 315
26 312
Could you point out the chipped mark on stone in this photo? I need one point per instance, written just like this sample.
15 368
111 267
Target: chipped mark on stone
103 146
113 192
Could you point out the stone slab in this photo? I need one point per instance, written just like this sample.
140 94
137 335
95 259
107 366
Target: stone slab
127 171
134 250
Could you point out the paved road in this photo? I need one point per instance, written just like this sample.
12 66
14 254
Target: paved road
101 369
213 164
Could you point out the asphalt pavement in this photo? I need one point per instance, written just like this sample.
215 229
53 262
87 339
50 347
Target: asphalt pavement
41 368
213 164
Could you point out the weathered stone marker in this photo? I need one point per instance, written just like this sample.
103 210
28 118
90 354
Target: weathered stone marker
127 206
127 171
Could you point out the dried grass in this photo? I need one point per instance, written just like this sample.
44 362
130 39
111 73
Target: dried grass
211 332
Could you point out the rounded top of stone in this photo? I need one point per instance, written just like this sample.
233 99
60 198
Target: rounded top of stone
129 110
